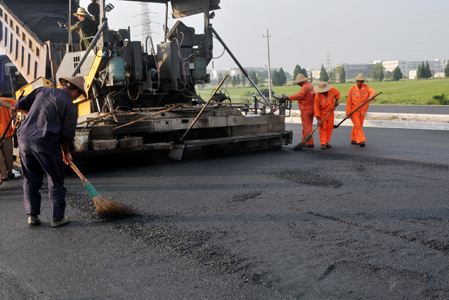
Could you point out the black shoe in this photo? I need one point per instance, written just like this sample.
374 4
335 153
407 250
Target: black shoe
362 144
354 143
328 145
323 146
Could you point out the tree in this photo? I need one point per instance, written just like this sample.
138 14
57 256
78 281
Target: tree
340 74
419 72
397 74
238 80
296 71
428 71
275 78
234 81
282 77
446 70
303 72
323 74
254 78
243 80
388 75
378 72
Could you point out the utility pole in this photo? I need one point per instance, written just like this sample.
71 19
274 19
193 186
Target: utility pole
269 69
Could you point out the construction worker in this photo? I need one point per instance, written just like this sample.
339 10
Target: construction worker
86 28
326 100
49 127
358 93
7 111
305 98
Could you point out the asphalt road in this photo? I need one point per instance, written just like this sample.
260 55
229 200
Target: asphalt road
405 109
341 223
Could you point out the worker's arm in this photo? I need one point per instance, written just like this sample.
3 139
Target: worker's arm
76 26
66 156
11 108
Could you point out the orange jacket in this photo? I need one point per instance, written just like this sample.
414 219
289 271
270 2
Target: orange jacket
5 117
356 98
324 104
305 97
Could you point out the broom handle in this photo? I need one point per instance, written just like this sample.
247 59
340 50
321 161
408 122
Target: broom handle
78 172
204 107
6 130
371 98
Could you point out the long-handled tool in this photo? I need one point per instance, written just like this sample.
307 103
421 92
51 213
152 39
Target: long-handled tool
6 130
105 207
348 116
303 143
178 146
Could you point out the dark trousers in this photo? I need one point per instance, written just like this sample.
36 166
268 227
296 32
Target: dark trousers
34 159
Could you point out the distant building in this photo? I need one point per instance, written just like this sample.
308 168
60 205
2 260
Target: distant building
406 66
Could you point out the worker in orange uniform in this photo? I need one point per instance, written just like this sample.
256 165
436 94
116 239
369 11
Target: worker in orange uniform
305 98
326 100
358 93
7 110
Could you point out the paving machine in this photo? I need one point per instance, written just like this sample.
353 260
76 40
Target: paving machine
141 96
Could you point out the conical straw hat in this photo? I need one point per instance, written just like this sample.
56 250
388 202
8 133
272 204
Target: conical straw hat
77 81
322 87
300 78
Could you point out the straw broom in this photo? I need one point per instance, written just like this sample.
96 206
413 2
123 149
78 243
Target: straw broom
105 207
300 145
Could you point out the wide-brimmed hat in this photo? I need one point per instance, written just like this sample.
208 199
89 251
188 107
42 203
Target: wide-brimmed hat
300 78
322 87
360 77
81 11
77 81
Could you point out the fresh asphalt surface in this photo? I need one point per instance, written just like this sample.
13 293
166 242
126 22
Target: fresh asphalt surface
341 223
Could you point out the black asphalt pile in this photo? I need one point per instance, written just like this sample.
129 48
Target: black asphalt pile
41 18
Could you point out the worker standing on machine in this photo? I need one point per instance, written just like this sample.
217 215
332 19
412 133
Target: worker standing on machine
358 93
326 100
305 98
85 27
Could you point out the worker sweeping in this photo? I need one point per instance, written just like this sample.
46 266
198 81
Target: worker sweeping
44 139
358 93
305 98
326 100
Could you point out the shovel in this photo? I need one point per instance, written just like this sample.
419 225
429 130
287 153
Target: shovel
178 146
303 143
348 116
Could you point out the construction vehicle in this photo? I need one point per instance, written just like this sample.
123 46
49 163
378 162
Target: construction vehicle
141 98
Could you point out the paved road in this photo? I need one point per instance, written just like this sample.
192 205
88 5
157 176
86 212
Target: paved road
341 223
405 109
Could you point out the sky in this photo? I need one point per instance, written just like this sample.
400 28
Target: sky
309 33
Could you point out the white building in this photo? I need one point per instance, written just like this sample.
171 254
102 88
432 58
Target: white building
406 66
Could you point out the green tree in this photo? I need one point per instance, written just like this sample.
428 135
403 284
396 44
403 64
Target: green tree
282 77
220 77
238 80
243 80
323 74
397 74
275 78
234 81
378 72
388 75
296 71
340 74
254 77
428 71
446 70
303 72
419 72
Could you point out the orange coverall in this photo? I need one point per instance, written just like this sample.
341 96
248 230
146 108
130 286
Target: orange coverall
305 98
6 146
355 98
323 105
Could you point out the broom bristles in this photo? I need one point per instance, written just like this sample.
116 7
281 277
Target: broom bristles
300 145
110 209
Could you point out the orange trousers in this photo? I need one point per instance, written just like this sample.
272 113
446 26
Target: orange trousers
326 128
307 121
357 132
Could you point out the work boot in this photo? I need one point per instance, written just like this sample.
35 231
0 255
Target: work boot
362 144
354 142
34 221
61 222
323 146
328 145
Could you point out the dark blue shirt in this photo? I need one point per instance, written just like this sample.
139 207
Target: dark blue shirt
51 118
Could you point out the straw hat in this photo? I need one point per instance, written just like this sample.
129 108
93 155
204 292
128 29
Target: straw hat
300 78
81 11
322 87
360 77
77 81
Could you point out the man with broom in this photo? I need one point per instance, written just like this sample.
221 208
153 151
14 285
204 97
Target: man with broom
358 94
326 100
305 98
49 126
7 110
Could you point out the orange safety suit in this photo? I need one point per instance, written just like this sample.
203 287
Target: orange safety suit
6 146
306 98
323 105
356 97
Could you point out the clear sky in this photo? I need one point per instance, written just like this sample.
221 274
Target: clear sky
308 32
